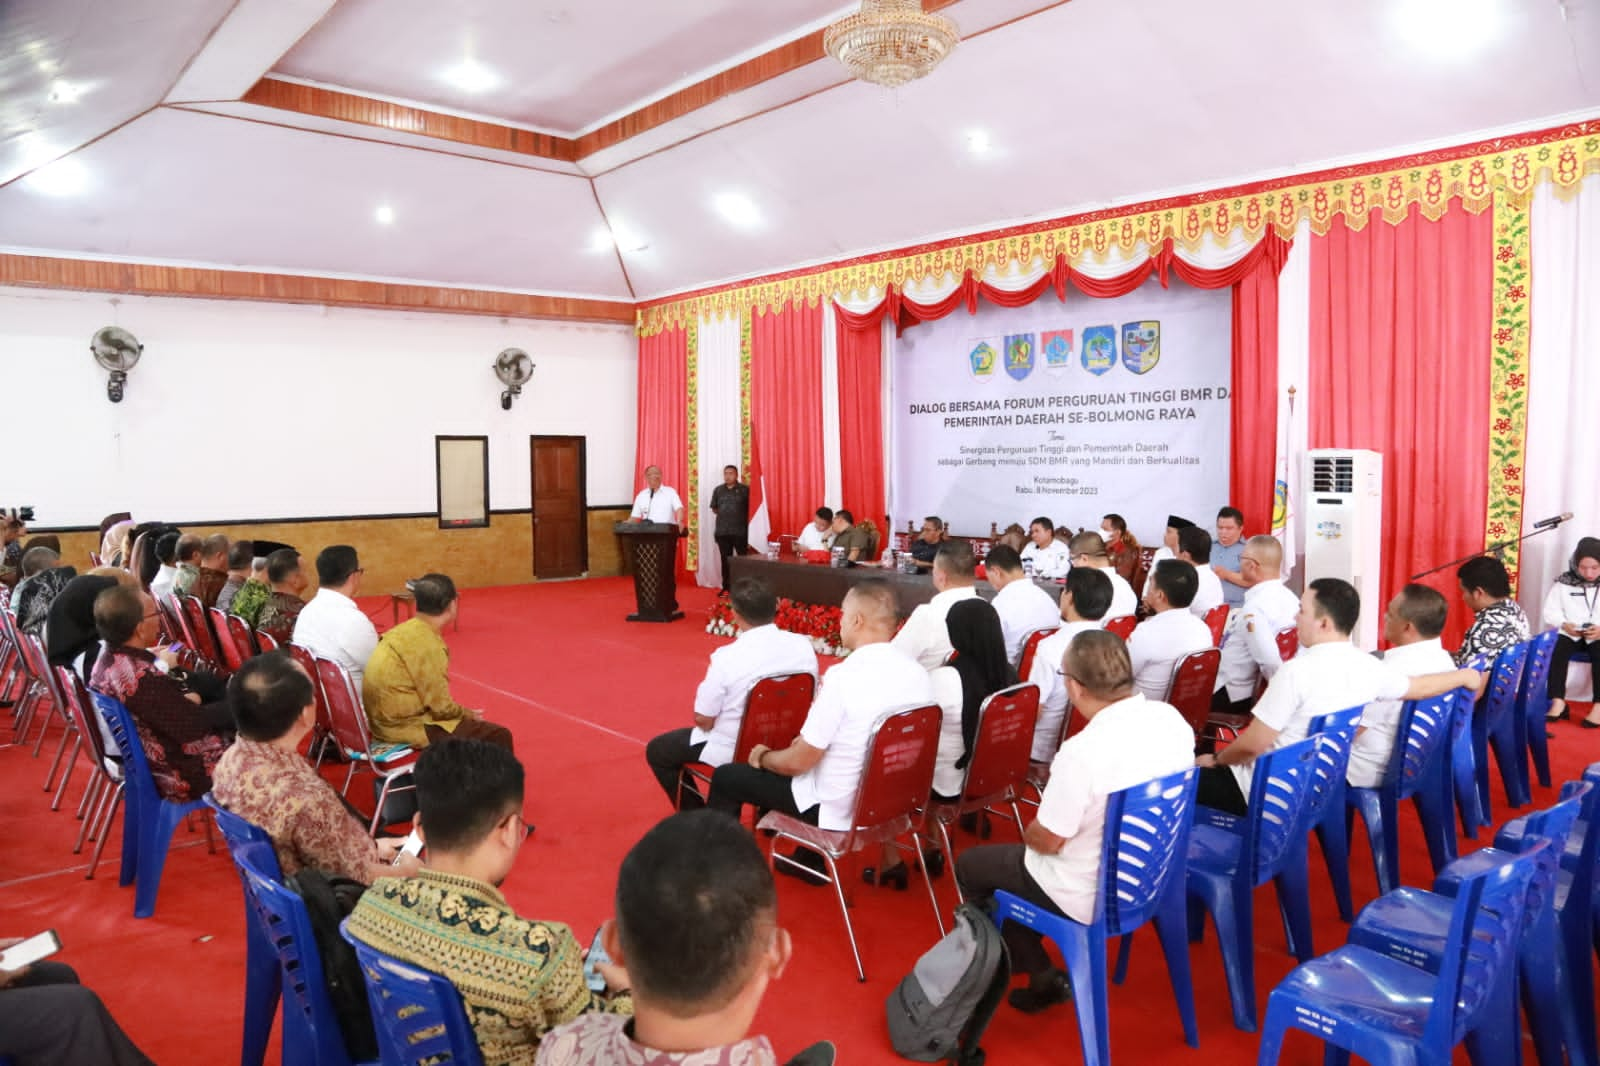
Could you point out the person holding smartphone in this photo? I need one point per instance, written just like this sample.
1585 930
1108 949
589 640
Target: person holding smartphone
48 1019
1573 606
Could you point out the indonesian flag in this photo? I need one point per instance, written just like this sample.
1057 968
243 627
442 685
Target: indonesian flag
760 521
1284 502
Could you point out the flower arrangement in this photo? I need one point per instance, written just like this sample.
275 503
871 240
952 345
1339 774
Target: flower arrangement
817 621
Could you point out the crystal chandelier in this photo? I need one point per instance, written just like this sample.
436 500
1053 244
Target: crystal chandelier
890 42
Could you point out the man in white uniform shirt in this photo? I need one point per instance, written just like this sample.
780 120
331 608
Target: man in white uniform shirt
1329 674
1250 645
1129 740
816 777
1171 631
1047 555
1412 624
818 534
656 502
1022 606
925 636
1083 608
1169 547
1194 548
331 626
1089 549
759 650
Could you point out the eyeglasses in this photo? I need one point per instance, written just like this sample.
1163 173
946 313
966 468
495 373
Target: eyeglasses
527 826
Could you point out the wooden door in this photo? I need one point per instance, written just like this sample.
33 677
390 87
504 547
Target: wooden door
560 508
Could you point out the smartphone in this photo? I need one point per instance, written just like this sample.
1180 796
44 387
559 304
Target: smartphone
597 954
411 846
30 951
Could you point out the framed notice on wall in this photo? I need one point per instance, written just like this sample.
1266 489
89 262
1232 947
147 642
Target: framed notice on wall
463 473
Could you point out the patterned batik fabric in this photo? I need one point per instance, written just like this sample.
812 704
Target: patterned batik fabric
177 740
249 600
278 615
1497 626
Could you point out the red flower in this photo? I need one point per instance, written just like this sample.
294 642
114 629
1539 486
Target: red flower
1516 381
1516 292
1503 335
1502 425
1505 254
1513 473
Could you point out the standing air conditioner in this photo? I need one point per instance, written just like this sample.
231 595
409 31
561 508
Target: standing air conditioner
1344 529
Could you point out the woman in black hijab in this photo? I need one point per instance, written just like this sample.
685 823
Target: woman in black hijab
1573 606
69 628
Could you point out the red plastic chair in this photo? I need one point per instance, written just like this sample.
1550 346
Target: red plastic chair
896 781
103 795
231 655
1217 622
997 772
348 721
1194 679
774 711
265 641
173 625
1122 625
1030 648
1039 771
1288 641
199 626
239 633
324 725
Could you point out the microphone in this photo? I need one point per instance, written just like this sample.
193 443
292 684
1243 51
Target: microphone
1551 523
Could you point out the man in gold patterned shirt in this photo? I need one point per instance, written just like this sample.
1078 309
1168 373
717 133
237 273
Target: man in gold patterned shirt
518 978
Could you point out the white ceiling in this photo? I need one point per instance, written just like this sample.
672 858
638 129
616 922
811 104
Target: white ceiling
1085 104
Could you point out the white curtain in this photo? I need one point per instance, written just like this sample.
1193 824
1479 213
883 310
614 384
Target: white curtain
720 441
832 463
1294 365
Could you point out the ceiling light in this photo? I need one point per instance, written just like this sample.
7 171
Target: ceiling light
470 76
65 92
738 209
978 142
890 42
384 214
1452 30
64 177
618 235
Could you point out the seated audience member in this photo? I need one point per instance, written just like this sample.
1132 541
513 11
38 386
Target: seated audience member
855 541
1022 606
406 689
114 541
979 670
182 738
1121 546
1014 537
1412 624
696 928
1250 646
518 978
71 639
48 1019
1129 740
286 576
1046 555
818 533
241 554
1171 631
253 594
1329 674
925 637
331 626
166 554
1573 607
264 779
1089 550
43 577
1084 603
1194 548
1497 619
214 569
926 545
12 530
1226 553
760 649
815 778
1176 524
189 547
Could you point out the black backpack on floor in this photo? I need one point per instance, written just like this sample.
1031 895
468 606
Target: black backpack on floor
941 1008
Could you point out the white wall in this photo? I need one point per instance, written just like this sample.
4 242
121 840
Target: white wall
244 410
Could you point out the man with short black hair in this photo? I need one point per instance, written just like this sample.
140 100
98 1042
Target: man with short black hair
287 578
518 978
1328 674
925 637
696 927
854 541
1225 556
406 686
1089 549
1411 625
1171 632
264 779
331 626
1045 554
241 554
167 555
1084 602
818 533
1194 548
760 649
926 545
1022 606
188 560
730 502
1497 621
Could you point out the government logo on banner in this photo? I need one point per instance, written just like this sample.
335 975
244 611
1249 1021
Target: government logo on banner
981 360
1019 355
1057 347
1099 349
1141 346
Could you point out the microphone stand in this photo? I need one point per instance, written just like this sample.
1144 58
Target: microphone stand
1493 549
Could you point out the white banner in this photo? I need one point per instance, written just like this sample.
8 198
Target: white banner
1070 411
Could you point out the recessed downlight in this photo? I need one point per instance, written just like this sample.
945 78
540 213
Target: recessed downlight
384 214
471 76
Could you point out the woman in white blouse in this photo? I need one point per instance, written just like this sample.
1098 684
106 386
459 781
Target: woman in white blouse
1573 605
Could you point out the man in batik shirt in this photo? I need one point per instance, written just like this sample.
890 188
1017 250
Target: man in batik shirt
1498 621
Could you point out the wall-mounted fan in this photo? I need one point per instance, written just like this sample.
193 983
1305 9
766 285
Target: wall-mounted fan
514 368
118 351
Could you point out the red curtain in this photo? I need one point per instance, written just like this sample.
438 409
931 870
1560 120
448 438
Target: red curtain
1254 436
1400 359
663 427
786 410
861 417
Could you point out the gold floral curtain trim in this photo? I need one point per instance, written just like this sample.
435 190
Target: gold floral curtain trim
1508 374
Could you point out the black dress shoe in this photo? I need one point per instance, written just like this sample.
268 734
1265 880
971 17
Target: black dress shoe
934 860
1566 713
1044 990
815 869
896 875
1589 725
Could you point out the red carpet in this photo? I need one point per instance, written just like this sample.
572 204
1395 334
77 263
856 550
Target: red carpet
583 690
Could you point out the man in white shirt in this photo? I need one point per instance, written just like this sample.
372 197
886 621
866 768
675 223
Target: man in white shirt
1329 674
818 534
331 626
1129 740
1089 549
925 636
1171 631
167 555
1045 554
1194 548
1083 608
1250 645
656 502
1022 606
1412 624
1169 547
816 777
759 650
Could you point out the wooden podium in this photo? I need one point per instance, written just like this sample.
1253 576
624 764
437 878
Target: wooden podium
653 548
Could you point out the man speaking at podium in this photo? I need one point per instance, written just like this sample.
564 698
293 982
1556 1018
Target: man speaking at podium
657 502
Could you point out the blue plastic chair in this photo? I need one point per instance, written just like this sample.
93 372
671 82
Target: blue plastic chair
1142 856
147 820
1392 1013
418 1015
1226 867
1418 771
1494 726
1464 764
1326 813
311 1034
1533 703
263 982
